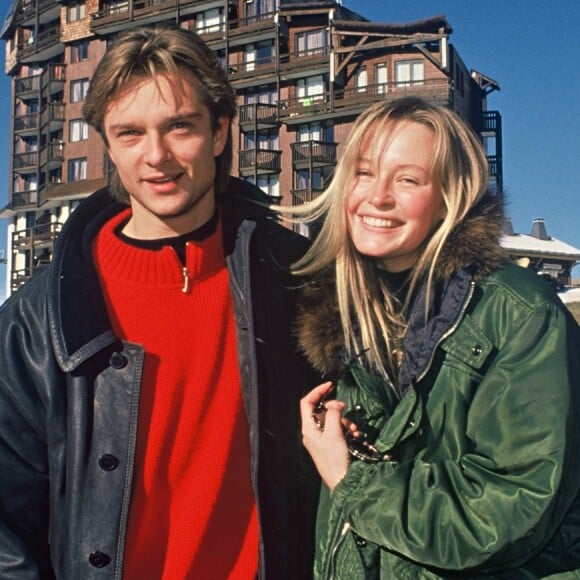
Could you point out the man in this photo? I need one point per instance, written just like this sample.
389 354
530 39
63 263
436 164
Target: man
149 384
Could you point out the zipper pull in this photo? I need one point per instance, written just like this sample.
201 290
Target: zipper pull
186 281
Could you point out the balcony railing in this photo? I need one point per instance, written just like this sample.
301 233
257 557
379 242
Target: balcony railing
26 161
26 123
316 153
305 195
491 122
261 114
352 101
52 153
251 24
55 74
47 39
260 161
53 112
21 199
38 234
258 67
27 85
144 10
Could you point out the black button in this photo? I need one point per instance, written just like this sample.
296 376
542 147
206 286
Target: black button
118 360
99 559
108 462
476 350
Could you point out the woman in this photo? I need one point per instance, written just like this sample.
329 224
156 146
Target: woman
450 445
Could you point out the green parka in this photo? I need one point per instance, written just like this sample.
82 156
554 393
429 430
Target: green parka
480 475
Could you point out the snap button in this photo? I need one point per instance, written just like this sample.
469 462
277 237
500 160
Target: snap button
118 360
476 350
99 559
108 462
360 542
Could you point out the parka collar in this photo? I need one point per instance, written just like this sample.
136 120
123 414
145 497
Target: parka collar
472 252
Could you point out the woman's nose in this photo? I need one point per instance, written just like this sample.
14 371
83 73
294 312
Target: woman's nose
381 194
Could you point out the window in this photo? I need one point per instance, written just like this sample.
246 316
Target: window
209 21
258 54
310 89
75 11
361 79
79 51
258 7
314 132
78 90
263 140
267 96
269 184
311 42
381 78
77 169
409 72
78 131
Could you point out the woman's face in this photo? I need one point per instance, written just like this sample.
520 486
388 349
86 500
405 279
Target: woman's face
393 206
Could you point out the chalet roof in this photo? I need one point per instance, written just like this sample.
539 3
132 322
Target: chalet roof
528 244
432 24
9 18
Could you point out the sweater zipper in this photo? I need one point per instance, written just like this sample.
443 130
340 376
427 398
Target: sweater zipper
186 289
340 539
449 331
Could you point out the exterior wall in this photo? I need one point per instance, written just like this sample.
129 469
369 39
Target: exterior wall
286 158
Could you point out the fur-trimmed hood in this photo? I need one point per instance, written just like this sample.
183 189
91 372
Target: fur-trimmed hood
474 244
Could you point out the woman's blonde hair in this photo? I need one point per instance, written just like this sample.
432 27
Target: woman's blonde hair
460 173
149 53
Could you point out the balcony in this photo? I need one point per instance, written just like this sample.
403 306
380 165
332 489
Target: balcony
258 116
117 17
27 87
252 29
24 199
313 154
351 102
52 155
26 163
490 123
26 124
48 10
254 72
46 46
37 235
259 162
304 195
53 116
307 62
54 78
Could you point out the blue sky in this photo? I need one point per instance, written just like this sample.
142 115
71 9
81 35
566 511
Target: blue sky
531 48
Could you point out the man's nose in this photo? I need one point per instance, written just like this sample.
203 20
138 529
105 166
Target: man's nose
157 152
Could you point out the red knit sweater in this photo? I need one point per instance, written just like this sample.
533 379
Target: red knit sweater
192 514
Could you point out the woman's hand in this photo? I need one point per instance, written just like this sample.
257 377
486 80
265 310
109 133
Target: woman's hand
323 434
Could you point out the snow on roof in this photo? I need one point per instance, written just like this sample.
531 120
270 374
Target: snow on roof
523 243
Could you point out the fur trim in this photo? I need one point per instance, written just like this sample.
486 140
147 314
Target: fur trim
473 244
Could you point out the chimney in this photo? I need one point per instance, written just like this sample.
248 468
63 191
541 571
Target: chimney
508 227
539 229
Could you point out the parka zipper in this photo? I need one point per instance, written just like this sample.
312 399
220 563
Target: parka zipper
340 539
449 331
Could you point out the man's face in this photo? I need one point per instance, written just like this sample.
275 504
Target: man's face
161 141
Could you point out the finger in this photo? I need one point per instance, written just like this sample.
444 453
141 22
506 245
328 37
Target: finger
317 393
333 417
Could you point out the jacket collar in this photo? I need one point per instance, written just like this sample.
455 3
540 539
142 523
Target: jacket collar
79 322
472 252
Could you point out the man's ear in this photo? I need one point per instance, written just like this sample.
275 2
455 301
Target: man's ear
220 136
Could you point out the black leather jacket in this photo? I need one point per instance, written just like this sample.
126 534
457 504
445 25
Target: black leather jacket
69 398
